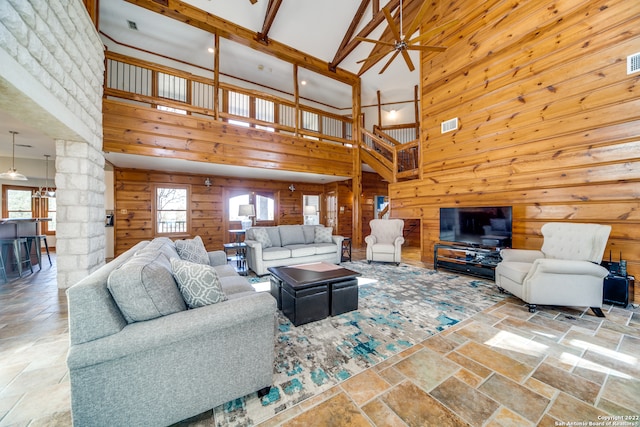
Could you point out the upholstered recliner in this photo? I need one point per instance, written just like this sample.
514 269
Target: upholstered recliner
565 271
385 241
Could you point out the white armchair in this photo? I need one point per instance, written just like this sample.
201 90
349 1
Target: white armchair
385 241
565 271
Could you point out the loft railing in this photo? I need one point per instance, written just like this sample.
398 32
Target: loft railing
400 159
177 91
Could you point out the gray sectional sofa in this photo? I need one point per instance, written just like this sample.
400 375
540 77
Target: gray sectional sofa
289 245
147 360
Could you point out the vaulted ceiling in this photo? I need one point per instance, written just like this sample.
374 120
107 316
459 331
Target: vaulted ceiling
259 39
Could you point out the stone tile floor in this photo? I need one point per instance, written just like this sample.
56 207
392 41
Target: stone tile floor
502 367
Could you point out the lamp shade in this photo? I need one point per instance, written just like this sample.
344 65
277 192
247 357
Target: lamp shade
246 210
309 210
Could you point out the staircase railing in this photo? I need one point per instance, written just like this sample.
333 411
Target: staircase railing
392 159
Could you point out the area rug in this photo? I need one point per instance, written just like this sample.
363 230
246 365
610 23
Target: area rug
398 307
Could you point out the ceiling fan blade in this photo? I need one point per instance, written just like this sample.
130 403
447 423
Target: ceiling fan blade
362 39
427 48
417 19
392 25
407 59
432 31
375 57
389 62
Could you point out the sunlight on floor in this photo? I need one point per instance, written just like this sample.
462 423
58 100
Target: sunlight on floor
612 354
513 342
577 361
365 281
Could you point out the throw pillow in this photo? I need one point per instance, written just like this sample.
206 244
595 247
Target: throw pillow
192 250
260 235
144 288
199 284
323 235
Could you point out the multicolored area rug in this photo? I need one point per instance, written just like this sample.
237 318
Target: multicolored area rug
398 307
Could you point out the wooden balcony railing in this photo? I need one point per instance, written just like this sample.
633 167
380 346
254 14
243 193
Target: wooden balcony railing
181 92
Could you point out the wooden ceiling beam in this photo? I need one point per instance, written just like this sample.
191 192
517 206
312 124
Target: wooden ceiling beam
377 19
198 18
270 16
351 30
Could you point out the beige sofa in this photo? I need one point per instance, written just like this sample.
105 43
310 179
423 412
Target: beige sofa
290 245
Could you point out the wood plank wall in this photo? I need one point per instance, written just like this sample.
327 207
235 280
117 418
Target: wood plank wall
141 130
134 192
549 119
133 202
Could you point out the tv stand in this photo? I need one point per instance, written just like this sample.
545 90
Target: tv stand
472 260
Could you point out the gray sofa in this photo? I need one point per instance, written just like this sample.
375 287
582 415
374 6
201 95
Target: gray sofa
172 367
290 245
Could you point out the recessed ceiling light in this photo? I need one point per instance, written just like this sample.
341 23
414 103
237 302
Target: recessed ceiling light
303 82
211 50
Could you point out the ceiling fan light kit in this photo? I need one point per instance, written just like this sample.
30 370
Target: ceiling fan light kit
12 173
402 43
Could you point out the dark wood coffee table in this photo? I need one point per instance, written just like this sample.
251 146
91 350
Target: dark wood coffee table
310 292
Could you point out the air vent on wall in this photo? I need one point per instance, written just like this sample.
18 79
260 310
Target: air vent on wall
633 63
449 125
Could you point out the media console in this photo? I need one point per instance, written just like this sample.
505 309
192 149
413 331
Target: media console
474 261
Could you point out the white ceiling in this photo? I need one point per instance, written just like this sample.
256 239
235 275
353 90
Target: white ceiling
310 26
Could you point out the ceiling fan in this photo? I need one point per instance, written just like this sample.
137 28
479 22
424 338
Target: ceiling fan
402 42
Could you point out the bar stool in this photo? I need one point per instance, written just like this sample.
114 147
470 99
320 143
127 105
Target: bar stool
19 260
37 239
3 271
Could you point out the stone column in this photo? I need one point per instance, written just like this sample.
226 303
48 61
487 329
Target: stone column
51 75
80 234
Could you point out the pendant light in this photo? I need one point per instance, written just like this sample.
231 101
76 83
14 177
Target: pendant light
12 173
46 192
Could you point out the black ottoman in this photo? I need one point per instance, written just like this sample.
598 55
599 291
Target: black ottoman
344 296
305 305
276 290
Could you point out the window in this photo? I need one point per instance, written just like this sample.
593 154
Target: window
234 206
49 211
311 200
171 209
265 208
19 203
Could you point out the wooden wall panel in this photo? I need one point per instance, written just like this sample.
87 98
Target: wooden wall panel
133 204
549 119
134 129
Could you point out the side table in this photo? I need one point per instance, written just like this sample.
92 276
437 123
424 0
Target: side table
346 249
237 252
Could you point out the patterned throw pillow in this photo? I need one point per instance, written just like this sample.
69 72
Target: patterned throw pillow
192 250
323 234
260 235
199 284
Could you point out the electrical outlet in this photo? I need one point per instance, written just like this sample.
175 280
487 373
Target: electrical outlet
123 211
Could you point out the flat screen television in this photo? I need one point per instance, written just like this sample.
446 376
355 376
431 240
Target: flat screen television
477 226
